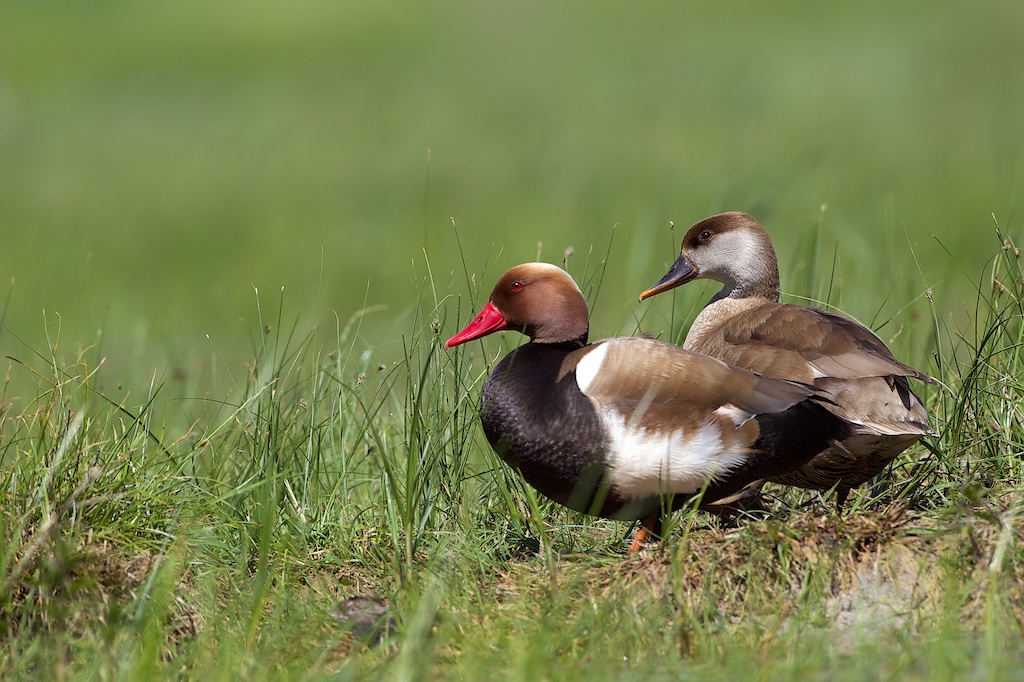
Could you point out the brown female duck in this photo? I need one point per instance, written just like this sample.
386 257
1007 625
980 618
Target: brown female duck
745 325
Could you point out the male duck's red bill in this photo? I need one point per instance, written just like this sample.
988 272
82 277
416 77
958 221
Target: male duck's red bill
487 322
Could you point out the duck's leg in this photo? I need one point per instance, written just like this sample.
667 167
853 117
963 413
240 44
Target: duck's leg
649 525
842 492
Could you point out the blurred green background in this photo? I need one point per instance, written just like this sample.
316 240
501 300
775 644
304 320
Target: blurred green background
159 160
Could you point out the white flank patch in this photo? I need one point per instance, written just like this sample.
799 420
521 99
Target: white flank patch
589 366
645 462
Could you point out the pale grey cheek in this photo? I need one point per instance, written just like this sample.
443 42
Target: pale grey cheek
736 251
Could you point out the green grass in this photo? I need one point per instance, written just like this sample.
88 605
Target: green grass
237 236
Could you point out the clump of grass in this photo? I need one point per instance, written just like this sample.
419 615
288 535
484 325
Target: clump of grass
144 544
319 462
984 432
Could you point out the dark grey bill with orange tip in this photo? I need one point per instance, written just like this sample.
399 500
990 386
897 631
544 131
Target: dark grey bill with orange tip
487 321
681 272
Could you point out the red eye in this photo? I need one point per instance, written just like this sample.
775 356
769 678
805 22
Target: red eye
517 285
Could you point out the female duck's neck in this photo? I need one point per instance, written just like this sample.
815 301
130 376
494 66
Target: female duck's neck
760 290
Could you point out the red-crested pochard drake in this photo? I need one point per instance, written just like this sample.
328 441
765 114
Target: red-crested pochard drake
744 324
627 428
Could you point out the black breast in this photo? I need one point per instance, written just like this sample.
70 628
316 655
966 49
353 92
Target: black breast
546 428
